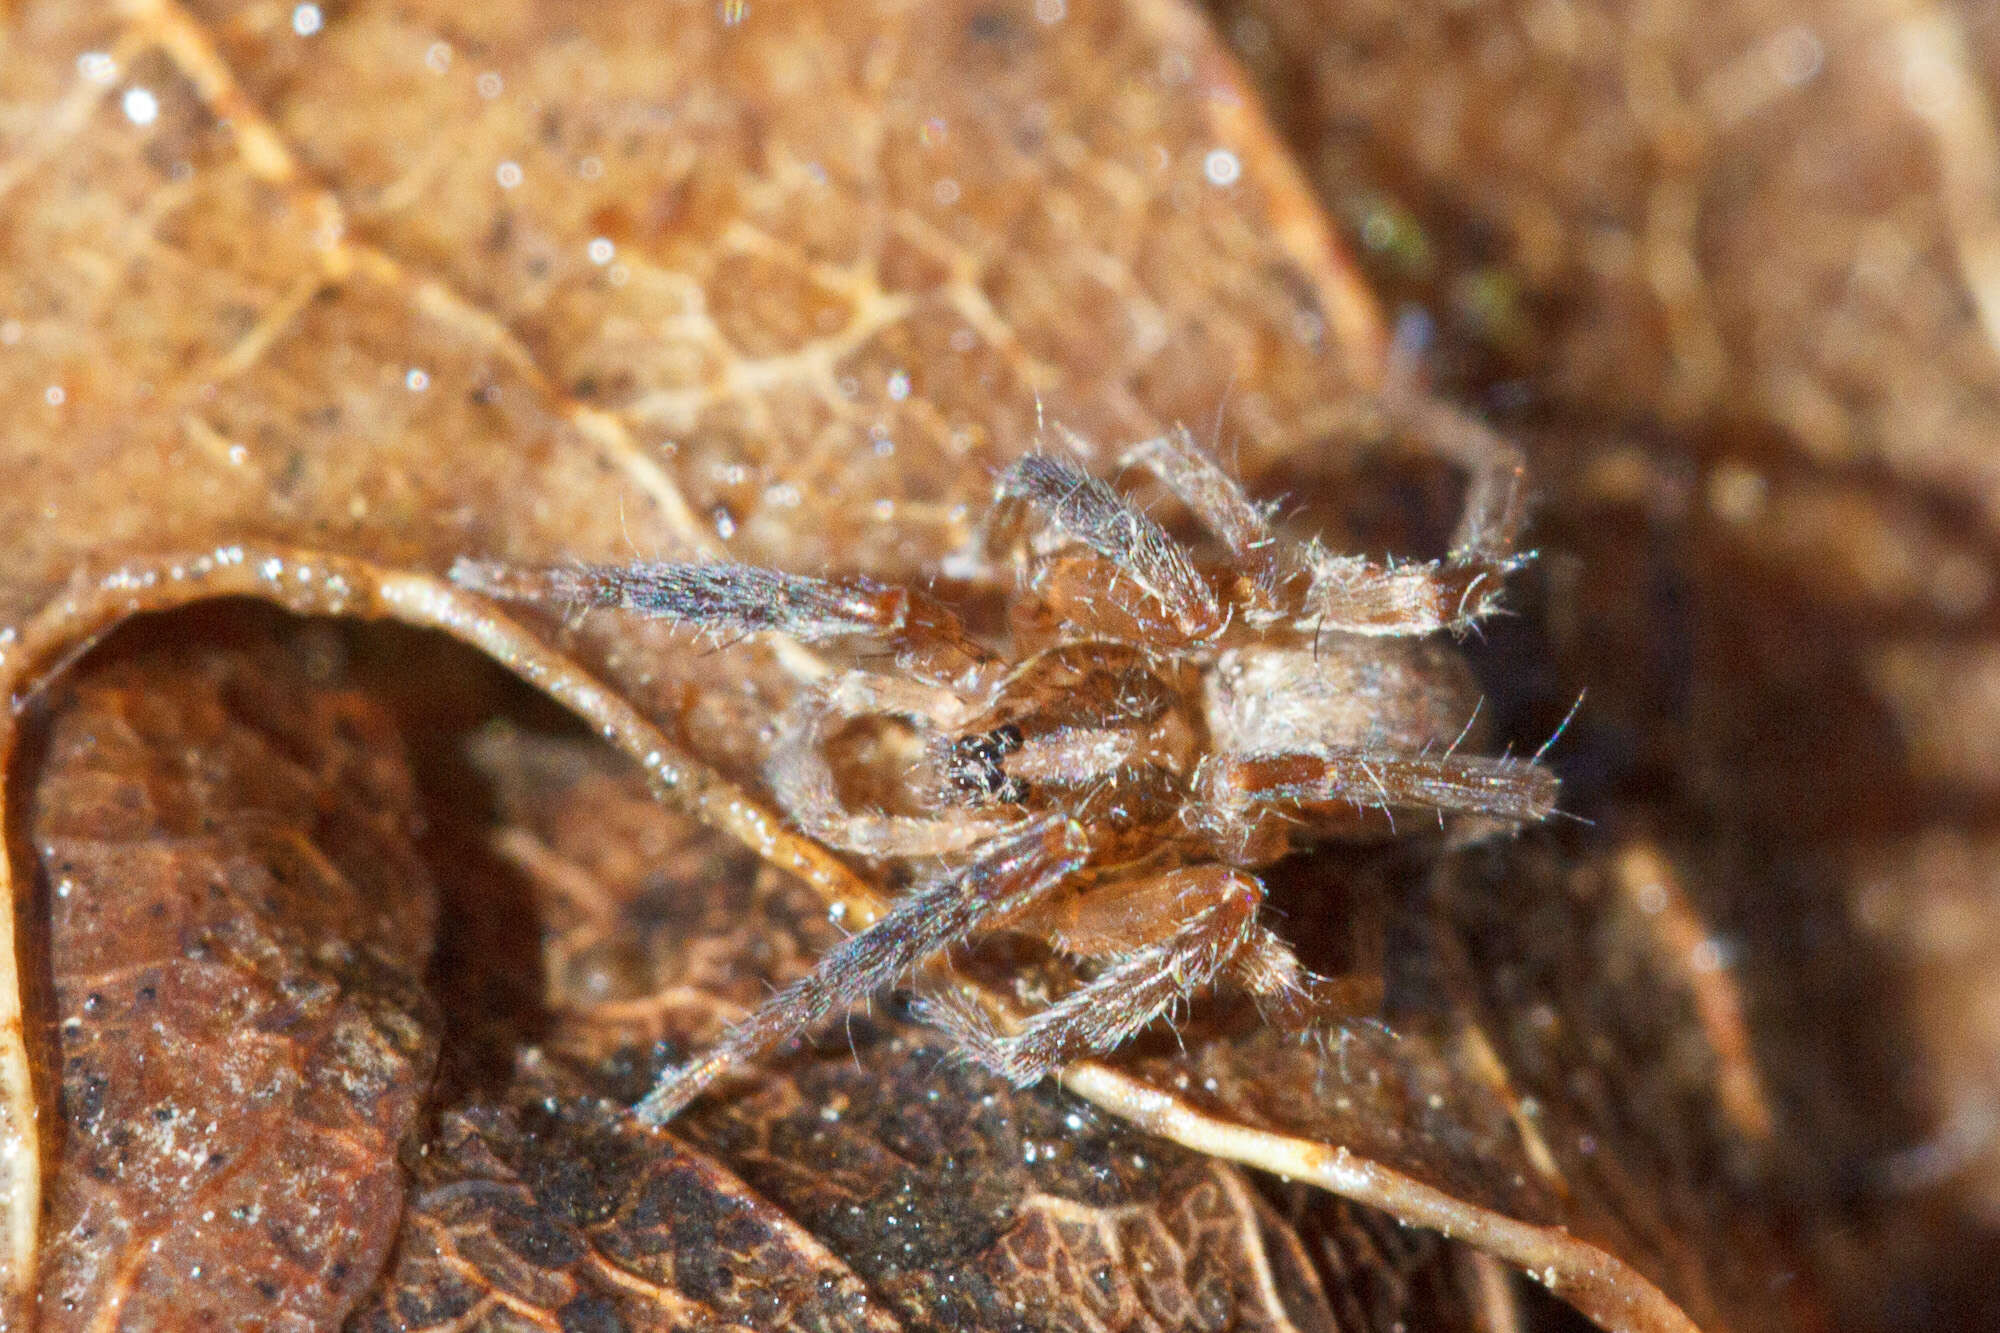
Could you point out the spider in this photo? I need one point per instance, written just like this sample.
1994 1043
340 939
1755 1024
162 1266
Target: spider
1163 721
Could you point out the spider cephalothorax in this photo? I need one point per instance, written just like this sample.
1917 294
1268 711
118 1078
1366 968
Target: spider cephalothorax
1160 722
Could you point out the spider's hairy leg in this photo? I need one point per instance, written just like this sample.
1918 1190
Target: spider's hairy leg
1134 551
1216 909
1216 500
804 784
1496 477
733 600
1496 471
1513 790
1349 594
1289 995
1115 918
727 598
1008 877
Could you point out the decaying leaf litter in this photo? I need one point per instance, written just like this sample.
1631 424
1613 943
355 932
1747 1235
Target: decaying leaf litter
483 342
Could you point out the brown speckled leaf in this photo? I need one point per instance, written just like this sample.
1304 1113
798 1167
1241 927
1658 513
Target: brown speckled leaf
238 933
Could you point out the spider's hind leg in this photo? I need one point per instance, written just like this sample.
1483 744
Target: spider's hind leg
1215 910
1008 878
1357 596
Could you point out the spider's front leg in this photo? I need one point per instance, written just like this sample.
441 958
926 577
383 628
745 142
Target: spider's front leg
1165 936
1325 591
1096 562
732 600
1008 878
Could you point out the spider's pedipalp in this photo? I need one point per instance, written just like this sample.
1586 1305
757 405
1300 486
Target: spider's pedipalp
1006 878
803 783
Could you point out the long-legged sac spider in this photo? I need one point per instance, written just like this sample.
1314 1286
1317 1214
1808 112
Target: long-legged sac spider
1162 721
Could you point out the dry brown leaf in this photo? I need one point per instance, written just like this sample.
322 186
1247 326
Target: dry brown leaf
238 933
316 312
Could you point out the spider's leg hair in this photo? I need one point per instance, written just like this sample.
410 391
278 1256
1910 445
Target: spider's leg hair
1561 726
720 597
1086 510
1466 730
1120 1001
945 911
1508 789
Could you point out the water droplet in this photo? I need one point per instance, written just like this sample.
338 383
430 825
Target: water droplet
1221 167
97 66
417 381
141 107
307 20
490 85
508 174
600 250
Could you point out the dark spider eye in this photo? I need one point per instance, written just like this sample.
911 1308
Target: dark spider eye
975 765
974 752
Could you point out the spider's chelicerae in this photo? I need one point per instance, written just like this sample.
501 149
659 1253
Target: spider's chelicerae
1161 722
